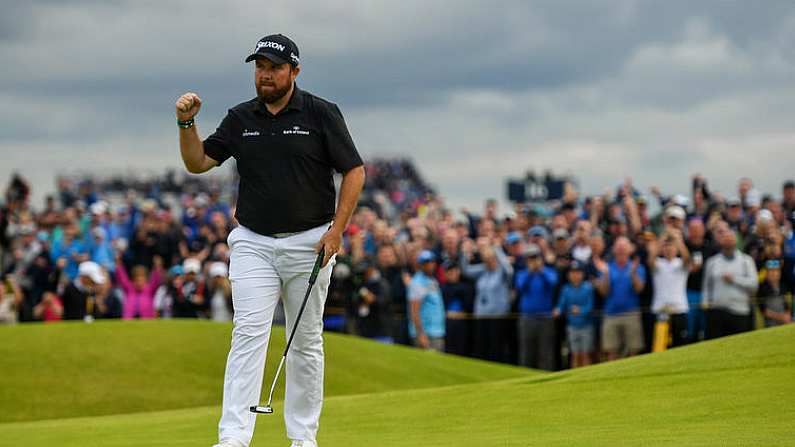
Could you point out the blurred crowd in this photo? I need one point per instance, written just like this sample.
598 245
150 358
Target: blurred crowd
548 285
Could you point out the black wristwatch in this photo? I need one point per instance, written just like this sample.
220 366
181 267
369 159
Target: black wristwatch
187 124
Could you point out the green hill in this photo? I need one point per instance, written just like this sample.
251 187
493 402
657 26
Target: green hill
77 369
735 391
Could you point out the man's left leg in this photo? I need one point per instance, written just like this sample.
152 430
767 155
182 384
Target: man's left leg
304 371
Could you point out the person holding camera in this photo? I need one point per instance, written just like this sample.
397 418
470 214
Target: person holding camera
669 260
535 287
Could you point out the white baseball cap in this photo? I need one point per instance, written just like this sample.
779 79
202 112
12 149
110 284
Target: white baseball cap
218 269
191 265
92 270
99 207
676 212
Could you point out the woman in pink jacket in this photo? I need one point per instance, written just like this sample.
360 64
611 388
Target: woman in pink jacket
139 291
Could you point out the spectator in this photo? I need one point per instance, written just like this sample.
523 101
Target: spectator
675 217
11 298
49 309
788 197
581 248
372 304
700 251
168 293
426 306
139 289
190 302
621 281
396 278
219 291
101 251
535 287
459 297
772 302
729 282
576 304
79 296
669 265
492 299
70 249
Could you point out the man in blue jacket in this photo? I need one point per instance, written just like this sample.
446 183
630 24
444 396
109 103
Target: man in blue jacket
576 304
620 282
535 288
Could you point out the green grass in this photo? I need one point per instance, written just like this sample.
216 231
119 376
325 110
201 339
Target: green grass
734 391
74 369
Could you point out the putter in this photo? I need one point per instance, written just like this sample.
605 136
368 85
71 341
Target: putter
267 409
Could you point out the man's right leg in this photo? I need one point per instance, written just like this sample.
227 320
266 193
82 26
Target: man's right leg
255 292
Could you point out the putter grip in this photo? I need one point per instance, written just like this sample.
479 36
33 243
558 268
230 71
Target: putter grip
316 269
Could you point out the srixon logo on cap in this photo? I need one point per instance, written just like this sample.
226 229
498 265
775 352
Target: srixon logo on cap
269 44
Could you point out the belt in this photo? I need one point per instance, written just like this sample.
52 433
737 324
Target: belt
283 235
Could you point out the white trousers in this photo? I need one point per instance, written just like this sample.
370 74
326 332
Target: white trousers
261 270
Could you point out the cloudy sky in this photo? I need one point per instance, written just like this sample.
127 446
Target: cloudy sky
473 91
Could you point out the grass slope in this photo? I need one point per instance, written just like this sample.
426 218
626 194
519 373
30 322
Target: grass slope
75 369
734 391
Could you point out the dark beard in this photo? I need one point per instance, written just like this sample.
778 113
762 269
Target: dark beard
276 95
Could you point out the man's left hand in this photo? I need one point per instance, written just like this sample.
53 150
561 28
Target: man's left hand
331 242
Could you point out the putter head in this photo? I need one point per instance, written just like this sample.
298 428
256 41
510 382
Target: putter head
262 410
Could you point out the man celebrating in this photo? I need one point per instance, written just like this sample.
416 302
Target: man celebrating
286 143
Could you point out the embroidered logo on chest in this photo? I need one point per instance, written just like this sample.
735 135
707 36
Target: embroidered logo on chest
296 130
250 133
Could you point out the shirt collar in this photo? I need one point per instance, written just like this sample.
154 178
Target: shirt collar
296 102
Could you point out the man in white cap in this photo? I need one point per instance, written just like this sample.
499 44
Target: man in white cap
675 217
219 293
192 302
79 296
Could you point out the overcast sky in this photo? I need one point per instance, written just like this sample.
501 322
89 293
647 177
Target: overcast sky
472 91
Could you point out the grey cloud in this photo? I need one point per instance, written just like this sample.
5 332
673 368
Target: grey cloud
441 80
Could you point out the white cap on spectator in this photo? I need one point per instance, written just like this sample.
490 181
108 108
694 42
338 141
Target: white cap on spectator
99 208
201 200
764 214
92 270
560 233
217 269
192 265
675 212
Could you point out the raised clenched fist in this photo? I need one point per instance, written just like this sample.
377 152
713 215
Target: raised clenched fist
188 106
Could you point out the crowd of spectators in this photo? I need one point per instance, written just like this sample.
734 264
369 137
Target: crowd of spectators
548 285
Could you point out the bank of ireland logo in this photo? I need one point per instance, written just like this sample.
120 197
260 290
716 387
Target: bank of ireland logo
296 130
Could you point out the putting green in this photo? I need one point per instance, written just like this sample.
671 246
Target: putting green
734 391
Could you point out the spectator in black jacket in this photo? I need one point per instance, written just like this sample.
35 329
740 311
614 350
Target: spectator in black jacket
459 298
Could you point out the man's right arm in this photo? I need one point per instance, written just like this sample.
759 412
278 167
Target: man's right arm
190 145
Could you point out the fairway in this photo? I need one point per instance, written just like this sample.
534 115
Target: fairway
734 391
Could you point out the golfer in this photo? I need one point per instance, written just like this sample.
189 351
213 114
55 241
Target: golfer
287 143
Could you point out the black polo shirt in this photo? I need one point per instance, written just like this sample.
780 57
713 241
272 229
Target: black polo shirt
286 161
